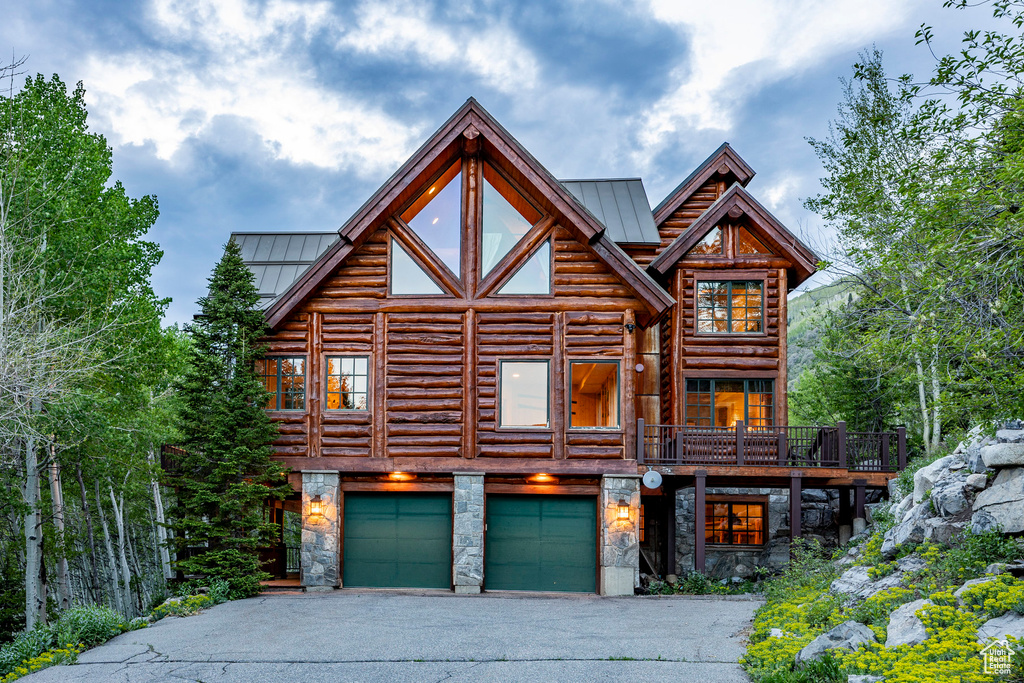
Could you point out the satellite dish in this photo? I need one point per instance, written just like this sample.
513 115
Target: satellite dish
652 479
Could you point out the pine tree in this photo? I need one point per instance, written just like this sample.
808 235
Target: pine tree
227 477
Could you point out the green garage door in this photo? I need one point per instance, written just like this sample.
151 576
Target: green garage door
541 543
398 540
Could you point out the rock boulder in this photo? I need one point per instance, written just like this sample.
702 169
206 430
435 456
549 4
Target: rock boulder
904 626
926 477
1001 505
1003 455
1010 624
847 636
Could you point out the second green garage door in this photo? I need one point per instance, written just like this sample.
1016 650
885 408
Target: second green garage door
541 543
398 540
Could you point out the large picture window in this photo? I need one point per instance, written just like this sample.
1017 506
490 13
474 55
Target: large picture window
523 386
734 307
285 380
734 523
724 402
347 382
594 394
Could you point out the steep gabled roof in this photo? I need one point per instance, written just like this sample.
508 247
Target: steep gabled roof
737 202
471 122
277 259
722 161
620 204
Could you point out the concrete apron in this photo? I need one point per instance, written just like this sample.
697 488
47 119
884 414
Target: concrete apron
619 552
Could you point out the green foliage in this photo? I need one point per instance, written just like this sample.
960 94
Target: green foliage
60 655
227 476
182 607
79 627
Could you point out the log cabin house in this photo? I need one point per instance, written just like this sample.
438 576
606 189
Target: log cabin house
471 376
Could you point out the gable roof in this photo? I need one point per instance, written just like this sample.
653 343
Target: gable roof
620 204
722 161
277 259
471 122
734 203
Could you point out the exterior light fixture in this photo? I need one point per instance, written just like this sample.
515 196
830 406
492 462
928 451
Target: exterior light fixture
316 506
623 515
543 478
401 476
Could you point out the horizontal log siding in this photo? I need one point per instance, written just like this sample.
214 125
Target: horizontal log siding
346 433
676 224
424 393
579 273
291 339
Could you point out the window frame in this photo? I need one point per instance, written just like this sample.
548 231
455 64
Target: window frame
618 390
394 239
495 291
478 229
763 501
729 279
746 399
278 391
326 357
498 425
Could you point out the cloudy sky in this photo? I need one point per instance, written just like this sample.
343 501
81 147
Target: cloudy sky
286 115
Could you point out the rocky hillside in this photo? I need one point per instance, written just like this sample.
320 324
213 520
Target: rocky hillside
934 580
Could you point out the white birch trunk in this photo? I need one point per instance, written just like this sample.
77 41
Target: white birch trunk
936 394
923 399
35 590
161 529
114 579
63 585
126 574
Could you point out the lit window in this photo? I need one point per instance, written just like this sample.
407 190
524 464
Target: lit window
524 393
436 216
595 394
730 307
748 244
507 216
534 276
347 382
285 380
406 275
710 244
728 523
724 402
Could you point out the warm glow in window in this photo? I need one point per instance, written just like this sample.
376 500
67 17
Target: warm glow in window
524 393
347 382
534 276
730 307
595 394
734 523
285 380
507 216
724 402
711 244
748 244
436 217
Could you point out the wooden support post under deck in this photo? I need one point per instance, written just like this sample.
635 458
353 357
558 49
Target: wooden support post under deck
670 532
858 504
699 564
795 491
845 515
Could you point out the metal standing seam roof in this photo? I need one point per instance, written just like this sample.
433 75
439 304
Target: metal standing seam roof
621 205
277 259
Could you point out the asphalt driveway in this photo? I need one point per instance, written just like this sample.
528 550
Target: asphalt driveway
422 636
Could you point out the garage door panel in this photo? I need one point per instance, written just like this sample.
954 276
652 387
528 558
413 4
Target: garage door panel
540 543
397 540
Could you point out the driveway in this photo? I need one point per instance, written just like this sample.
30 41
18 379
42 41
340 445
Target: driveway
357 635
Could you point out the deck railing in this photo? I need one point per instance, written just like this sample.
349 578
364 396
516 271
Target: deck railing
170 458
743 445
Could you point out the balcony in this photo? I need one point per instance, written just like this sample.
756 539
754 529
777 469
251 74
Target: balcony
771 447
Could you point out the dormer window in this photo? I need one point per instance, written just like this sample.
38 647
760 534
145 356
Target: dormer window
711 245
747 244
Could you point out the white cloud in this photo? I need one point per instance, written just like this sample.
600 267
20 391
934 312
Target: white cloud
739 47
782 193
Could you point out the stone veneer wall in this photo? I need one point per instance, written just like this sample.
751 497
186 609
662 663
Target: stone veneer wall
818 514
620 544
468 533
319 552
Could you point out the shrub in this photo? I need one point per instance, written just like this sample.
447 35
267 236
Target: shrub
89 626
61 655
182 607
240 570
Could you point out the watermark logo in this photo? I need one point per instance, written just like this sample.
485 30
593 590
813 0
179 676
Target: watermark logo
997 658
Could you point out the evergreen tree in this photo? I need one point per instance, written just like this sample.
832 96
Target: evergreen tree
227 477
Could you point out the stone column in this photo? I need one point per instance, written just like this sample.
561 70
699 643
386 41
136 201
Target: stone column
468 532
620 545
319 554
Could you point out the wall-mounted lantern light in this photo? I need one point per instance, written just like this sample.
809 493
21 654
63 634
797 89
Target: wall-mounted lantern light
401 476
543 478
623 515
316 506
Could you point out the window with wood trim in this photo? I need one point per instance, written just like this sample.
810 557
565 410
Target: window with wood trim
747 243
523 388
730 307
724 402
594 394
347 382
735 522
506 218
712 244
436 217
534 276
284 378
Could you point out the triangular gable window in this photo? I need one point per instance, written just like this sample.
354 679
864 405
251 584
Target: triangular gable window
712 244
507 216
534 276
407 277
748 244
436 216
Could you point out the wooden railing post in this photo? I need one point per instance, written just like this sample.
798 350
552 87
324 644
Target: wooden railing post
795 507
885 451
783 446
841 427
901 448
640 441
739 442
699 520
